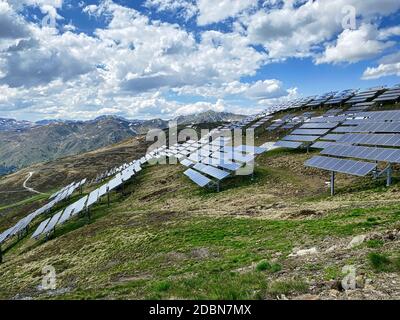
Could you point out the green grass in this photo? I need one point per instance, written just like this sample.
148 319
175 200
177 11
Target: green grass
286 287
383 262
374 243
266 266
169 239
33 199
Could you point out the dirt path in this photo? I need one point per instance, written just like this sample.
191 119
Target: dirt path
30 174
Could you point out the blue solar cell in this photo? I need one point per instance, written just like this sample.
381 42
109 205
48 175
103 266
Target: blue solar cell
211 171
358 168
367 153
288 144
52 223
300 138
319 125
197 177
315 132
40 229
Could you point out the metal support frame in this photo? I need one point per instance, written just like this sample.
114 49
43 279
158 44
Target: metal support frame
332 183
388 171
389 175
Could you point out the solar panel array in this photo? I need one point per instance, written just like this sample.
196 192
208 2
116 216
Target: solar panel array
340 97
216 162
391 95
365 96
308 133
352 167
85 202
57 197
369 138
318 101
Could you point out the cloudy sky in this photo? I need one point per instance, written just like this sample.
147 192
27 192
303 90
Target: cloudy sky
74 59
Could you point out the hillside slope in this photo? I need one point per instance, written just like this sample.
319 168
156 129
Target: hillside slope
45 143
153 243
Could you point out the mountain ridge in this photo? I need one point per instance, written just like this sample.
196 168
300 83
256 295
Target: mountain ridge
23 143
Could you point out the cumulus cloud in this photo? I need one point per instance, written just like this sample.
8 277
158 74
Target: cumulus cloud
302 28
182 8
12 26
211 11
388 66
136 66
355 45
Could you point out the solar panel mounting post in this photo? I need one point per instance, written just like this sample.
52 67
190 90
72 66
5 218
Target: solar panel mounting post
332 183
389 175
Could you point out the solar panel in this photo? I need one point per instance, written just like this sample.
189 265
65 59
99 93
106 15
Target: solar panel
79 205
392 140
222 163
4 236
371 127
368 153
393 115
93 197
300 138
323 144
114 183
315 132
52 223
102 190
250 149
40 229
186 162
197 177
196 157
211 171
288 144
352 167
332 136
319 125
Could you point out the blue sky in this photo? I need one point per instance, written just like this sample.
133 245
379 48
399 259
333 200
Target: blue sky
162 58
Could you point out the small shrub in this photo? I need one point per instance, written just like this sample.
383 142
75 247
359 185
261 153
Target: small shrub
382 263
162 286
266 266
263 265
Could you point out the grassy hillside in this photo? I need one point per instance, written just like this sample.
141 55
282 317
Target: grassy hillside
166 238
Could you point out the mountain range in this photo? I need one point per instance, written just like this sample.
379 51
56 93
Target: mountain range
23 143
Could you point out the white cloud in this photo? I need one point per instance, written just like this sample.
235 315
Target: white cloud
211 11
388 66
355 45
132 64
200 106
302 28
183 8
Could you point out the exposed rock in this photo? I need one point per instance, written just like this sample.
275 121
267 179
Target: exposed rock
304 252
307 297
331 249
360 282
356 241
